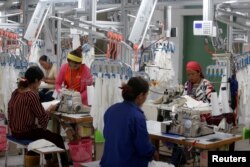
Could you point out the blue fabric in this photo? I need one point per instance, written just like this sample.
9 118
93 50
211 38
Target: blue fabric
233 91
127 142
233 85
20 141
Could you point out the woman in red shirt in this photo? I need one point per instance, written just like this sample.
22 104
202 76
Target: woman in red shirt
75 75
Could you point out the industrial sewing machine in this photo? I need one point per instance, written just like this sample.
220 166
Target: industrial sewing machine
170 98
71 102
187 122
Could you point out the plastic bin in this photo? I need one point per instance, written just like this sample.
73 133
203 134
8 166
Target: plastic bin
80 151
77 164
99 137
84 130
3 139
32 160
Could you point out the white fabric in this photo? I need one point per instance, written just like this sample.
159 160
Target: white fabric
94 112
46 105
117 91
7 85
192 103
89 57
111 90
165 74
104 105
91 94
41 143
243 79
159 164
36 51
223 84
106 93
75 41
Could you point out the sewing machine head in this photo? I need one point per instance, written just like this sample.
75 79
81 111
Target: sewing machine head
171 94
187 122
71 101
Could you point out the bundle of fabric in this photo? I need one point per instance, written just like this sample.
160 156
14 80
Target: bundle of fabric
215 120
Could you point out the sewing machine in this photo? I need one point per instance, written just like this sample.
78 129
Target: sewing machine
187 122
71 102
170 99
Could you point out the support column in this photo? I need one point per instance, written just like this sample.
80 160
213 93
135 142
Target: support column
208 10
59 47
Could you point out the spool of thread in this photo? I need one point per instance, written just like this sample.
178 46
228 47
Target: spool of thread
224 100
215 104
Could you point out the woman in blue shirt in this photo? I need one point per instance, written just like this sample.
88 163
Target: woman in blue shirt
127 142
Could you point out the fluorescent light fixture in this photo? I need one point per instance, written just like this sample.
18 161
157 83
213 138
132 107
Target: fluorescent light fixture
58 0
230 2
17 2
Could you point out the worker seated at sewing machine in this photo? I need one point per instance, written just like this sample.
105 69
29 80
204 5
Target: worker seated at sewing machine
48 83
192 118
74 75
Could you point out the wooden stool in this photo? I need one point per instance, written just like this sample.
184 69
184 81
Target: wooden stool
49 150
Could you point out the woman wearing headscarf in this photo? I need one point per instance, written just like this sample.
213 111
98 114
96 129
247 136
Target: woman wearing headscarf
75 75
197 86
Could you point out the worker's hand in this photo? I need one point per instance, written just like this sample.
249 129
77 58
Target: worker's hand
52 108
45 79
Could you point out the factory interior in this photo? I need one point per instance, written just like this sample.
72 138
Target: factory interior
124 83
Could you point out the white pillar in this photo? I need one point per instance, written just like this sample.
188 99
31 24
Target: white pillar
208 10
169 23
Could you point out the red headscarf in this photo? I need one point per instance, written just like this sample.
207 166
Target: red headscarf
193 65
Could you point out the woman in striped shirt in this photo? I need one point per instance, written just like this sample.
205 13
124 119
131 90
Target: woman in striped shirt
25 107
197 86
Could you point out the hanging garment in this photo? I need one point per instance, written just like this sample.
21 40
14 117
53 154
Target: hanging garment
94 112
75 41
36 51
117 91
111 87
104 103
243 78
106 93
163 60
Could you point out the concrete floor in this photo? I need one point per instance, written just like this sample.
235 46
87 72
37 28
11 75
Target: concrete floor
17 160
